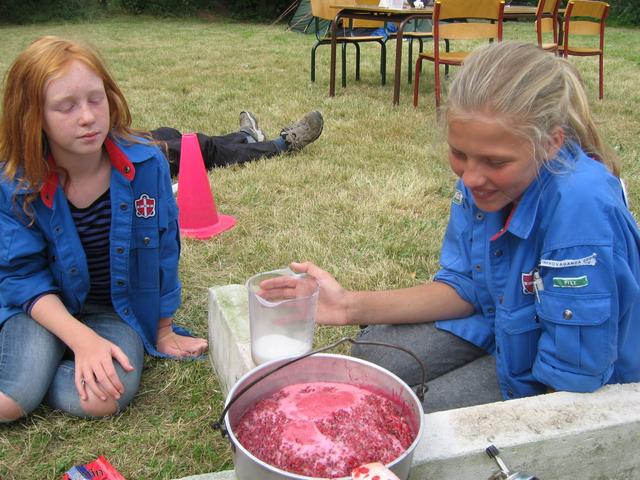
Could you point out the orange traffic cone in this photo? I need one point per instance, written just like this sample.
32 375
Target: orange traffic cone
198 216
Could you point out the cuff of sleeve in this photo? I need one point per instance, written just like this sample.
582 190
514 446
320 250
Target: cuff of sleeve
564 380
169 303
28 305
462 285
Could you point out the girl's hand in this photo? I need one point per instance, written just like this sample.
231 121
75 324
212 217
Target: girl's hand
95 370
332 300
171 343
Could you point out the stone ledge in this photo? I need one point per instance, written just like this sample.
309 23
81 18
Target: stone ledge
559 436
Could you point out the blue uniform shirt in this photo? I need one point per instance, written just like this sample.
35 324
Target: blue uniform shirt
144 244
555 282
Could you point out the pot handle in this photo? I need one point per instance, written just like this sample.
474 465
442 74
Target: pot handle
420 391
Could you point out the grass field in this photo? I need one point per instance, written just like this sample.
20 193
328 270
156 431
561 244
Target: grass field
368 202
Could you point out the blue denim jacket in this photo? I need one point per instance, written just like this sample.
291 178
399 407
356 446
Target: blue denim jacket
555 284
144 244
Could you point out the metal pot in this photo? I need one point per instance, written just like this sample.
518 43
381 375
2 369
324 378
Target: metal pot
314 368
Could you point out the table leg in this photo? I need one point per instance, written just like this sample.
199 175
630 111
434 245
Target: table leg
332 66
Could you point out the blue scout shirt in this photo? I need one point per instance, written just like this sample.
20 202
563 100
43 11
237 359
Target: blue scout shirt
144 244
555 284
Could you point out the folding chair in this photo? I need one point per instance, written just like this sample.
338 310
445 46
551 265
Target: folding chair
321 10
585 18
547 22
471 20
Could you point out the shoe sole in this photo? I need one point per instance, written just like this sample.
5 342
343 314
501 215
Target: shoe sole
254 126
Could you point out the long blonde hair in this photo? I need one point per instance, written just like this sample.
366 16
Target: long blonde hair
530 92
22 140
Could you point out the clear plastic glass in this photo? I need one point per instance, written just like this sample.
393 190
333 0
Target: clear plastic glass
282 327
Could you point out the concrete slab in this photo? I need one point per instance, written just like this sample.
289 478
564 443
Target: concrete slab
229 340
560 436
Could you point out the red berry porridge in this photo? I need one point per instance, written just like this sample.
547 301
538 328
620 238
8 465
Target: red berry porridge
326 429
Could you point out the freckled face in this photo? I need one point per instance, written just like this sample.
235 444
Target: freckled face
76 112
496 165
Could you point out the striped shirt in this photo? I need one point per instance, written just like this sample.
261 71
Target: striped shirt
93 224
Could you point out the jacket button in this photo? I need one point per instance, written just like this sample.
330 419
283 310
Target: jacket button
58 230
123 206
498 253
567 314
120 283
119 250
73 270
479 217
478 268
146 240
127 169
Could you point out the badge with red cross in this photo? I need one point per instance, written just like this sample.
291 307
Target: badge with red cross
145 206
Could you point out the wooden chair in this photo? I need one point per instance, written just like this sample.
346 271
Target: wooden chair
321 10
547 22
471 20
585 18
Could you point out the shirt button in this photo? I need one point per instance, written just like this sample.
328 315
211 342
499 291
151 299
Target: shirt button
479 217
498 253
73 270
58 230
127 169
146 240
567 314
123 206
478 268
119 250
126 311
120 283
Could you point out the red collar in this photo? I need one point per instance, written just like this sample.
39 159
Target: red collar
118 159
501 232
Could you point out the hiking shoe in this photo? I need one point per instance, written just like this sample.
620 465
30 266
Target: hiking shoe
301 133
249 125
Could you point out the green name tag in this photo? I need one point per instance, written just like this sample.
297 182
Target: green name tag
570 282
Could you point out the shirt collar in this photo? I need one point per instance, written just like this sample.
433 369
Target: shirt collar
118 159
521 220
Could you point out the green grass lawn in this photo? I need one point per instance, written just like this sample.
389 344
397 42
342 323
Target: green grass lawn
368 202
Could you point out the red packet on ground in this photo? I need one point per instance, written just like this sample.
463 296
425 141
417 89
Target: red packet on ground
99 469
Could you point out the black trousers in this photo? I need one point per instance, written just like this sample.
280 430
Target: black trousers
217 151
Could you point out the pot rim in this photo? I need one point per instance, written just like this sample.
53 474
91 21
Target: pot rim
236 443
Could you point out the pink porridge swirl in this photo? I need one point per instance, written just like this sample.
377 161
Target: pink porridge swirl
325 429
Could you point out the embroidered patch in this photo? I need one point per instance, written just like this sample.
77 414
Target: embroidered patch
527 283
569 262
571 282
458 197
145 206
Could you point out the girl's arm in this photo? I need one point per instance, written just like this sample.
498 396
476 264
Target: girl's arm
336 306
94 355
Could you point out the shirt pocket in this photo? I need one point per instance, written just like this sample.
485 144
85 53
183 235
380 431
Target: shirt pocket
145 261
522 333
577 330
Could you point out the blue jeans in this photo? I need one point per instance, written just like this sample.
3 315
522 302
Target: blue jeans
34 367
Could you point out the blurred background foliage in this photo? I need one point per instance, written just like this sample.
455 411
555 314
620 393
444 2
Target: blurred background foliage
623 12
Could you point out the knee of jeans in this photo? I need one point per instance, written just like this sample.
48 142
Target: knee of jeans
10 410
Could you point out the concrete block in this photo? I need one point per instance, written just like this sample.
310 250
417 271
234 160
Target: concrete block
229 340
559 436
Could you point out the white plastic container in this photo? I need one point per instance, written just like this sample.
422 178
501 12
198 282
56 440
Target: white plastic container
282 327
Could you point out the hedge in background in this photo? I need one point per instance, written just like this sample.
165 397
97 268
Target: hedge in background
623 12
